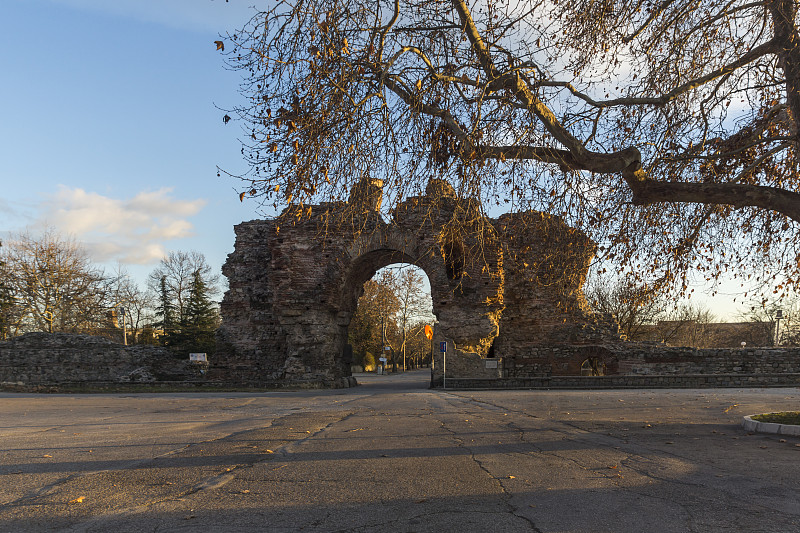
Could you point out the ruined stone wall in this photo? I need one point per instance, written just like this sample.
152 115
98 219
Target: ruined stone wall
664 360
654 381
545 265
295 282
507 293
499 287
652 359
64 358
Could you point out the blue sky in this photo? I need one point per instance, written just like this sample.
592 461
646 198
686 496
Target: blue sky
110 131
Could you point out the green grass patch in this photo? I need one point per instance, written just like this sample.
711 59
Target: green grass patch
788 417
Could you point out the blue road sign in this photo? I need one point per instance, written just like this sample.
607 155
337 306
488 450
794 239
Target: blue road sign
443 346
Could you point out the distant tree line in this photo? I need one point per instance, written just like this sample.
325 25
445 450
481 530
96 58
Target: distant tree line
644 314
48 283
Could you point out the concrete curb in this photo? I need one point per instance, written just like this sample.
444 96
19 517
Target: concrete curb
768 427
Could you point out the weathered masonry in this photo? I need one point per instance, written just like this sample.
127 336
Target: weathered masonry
39 360
502 288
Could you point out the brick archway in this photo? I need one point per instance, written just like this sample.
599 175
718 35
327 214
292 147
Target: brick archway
500 287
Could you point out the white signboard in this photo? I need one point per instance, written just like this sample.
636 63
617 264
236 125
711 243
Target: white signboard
491 364
198 357
382 359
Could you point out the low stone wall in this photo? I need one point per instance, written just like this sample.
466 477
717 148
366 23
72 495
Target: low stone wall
650 359
43 359
640 365
52 359
656 359
676 381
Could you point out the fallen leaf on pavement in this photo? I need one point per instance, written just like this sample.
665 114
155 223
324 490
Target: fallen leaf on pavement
78 499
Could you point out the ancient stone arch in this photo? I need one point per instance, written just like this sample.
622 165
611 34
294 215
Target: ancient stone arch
503 289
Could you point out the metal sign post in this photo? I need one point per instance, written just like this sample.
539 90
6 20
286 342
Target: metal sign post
429 335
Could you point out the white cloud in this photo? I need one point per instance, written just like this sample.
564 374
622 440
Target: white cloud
131 231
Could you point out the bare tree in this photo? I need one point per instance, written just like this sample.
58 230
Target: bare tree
762 315
138 305
415 304
374 324
789 325
7 301
687 325
644 314
418 344
55 286
178 270
667 131
633 306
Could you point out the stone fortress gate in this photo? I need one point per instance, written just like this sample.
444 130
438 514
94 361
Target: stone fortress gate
506 292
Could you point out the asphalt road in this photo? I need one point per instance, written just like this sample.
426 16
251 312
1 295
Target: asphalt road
393 456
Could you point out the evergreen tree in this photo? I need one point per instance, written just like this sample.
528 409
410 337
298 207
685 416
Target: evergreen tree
165 312
176 271
199 322
181 280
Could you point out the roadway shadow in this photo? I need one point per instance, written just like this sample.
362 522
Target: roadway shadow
412 380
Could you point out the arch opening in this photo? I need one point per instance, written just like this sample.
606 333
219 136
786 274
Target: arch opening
386 328
593 366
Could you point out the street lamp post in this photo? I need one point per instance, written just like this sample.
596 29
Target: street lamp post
778 317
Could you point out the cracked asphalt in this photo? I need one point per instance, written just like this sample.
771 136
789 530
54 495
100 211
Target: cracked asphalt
393 456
